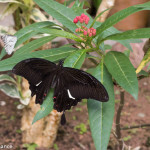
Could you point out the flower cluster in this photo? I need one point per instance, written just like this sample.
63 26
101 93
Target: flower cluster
87 32
84 20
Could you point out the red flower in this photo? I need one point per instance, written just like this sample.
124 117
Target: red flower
75 20
85 32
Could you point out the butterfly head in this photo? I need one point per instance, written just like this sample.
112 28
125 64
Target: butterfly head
60 64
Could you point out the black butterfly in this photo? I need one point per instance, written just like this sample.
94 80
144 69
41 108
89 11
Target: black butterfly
70 85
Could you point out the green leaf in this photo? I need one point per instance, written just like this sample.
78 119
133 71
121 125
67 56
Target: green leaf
76 4
56 147
112 20
79 5
60 12
31 146
109 32
29 47
143 73
60 33
97 3
130 34
127 52
122 71
67 3
144 61
101 114
37 15
46 107
76 59
147 5
112 31
5 77
106 47
28 32
10 90
98 16
10 9
7 30
49 54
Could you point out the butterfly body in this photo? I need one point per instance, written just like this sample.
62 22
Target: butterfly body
70 85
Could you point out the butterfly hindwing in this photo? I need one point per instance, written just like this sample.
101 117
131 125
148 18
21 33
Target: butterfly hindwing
83 85
43 88
62 97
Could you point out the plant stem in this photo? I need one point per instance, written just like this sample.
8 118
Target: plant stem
93 61
137 126
142 76
118 128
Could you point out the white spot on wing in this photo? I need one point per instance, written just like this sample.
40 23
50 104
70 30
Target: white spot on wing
38 83
69 94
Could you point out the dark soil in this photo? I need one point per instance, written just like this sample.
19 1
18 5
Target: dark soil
10 133
137 113
73 136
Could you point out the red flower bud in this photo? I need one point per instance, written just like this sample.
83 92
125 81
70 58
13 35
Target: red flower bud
77 30
78 17
92 28
75 20
83 15
81 20
93 33
87 18
81 30
84 18
86 22
85 32
88 31
90 34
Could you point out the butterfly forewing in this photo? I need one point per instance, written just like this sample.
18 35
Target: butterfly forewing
34 69
39 73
